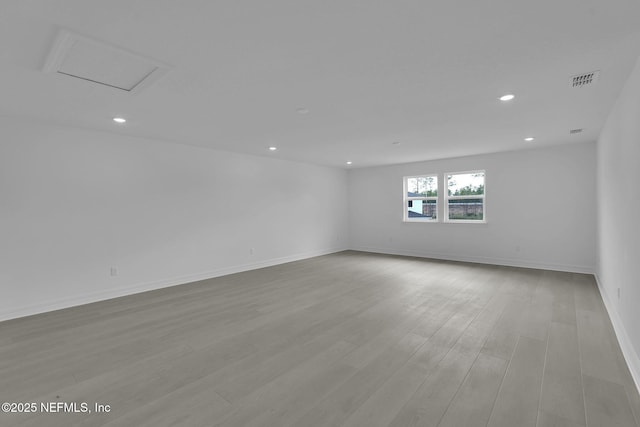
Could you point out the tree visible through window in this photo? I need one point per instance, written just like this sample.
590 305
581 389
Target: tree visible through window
465 196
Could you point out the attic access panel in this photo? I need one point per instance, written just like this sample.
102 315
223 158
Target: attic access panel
91 60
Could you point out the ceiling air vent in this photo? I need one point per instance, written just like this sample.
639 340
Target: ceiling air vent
586 79
574 131
97 62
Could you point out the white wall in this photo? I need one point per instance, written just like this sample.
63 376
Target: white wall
74 203
619 218
540 210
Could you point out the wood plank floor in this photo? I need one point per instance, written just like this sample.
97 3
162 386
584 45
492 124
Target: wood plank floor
349 339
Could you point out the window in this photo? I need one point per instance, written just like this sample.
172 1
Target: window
421 198
464 201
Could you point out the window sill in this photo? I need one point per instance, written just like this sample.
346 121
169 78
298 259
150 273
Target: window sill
443 222
462 221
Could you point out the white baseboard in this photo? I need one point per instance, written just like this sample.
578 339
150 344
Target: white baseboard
629 353
52 305
482 260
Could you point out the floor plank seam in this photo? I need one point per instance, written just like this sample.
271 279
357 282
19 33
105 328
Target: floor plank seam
506 371
544 368
467 373
584 399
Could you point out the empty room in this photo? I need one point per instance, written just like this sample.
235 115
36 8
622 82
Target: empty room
308 214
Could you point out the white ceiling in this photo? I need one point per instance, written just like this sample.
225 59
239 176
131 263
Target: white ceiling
423 73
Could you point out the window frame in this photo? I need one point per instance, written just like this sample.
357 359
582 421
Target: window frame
447 197
406 199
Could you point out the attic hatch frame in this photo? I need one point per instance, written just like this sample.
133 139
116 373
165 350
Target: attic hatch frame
66 40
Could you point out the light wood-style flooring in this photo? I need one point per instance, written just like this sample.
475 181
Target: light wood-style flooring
348 339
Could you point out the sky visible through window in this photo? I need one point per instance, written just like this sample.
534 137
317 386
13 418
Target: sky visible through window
455 182
426 185
459 181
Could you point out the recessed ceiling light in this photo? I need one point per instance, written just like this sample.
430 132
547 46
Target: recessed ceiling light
395 143
273 148
303 111
529 139
119 120
349 163
507 97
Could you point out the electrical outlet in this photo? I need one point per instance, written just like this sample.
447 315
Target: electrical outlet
252 251
114 271
618 293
